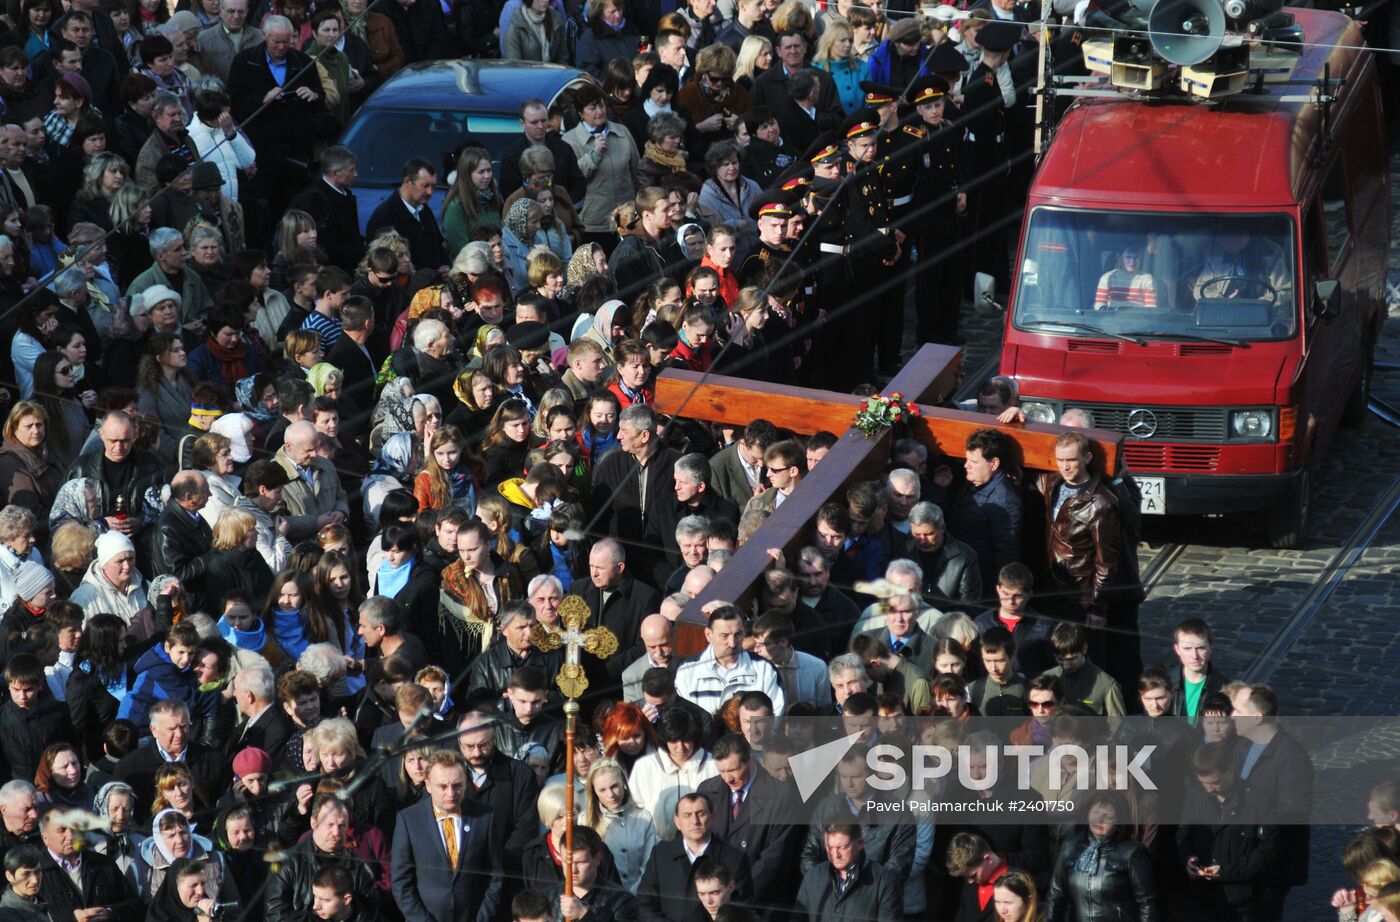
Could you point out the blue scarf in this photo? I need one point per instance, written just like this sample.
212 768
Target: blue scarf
392 579
252 641
289 630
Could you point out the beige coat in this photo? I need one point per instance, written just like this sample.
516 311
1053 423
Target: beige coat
306 503
610 175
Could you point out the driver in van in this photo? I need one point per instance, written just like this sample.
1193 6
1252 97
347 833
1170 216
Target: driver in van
1242 267
1126 285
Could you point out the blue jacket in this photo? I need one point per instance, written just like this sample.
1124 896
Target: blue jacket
847 77
157 679
880 62
988 518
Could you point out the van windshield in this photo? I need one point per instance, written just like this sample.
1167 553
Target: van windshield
1169 276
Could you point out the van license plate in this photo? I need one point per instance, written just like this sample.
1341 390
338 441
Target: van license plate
1154 495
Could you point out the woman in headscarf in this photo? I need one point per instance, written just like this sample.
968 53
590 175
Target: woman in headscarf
116 803
185 897
518 236
487 335
476 396
172 838
609 323
394 413
393 469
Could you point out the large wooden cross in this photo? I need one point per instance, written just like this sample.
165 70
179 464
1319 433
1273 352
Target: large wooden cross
928 380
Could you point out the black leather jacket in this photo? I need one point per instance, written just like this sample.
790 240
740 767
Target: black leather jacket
289 887
1121 891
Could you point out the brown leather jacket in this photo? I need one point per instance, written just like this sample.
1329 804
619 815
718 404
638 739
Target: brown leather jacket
1084 539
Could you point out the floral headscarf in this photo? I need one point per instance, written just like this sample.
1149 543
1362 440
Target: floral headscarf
396 457
248 401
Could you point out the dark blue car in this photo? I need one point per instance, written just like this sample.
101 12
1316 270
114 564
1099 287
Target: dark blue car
428 109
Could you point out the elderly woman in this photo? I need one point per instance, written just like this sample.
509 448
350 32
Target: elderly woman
17 544
607 157
662 154
393 469
28 477
338 753
730 196
168 250
206 246
114 585
116 803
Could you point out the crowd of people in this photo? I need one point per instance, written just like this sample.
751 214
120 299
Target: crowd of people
289 504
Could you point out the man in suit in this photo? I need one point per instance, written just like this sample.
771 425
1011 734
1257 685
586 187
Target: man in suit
277 75
408 213
656 632
771 87
267 726
222 42
330 202
737 471
506 786
444 868
752 813
314 497
619 603
99 886
666 892
170 737
534 125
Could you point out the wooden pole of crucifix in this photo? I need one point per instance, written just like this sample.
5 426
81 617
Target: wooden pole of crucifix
573 635
927 380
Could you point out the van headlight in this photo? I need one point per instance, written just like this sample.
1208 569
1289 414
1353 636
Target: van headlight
1252 424
1038 411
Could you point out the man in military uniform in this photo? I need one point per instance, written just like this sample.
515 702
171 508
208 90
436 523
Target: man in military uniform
872 246
769 267
896 166
936 206
827 245
988 98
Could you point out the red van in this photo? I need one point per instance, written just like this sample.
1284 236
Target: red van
1209 280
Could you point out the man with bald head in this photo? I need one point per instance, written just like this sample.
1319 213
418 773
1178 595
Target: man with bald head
314 498
619 603
656 638
119 468
183 539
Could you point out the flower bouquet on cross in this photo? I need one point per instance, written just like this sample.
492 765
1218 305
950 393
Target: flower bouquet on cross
882 411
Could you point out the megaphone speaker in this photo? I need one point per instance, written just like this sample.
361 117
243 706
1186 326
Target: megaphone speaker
1186 31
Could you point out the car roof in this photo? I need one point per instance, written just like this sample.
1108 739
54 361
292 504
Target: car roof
489 86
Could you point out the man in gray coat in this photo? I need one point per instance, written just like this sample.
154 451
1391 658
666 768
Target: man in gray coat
220 43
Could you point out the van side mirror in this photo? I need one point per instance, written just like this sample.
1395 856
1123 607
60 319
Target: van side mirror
1327 299
984 294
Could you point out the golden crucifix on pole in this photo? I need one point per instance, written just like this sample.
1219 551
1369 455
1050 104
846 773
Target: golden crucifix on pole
572 636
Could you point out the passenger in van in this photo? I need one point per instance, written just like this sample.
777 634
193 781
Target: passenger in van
1126 285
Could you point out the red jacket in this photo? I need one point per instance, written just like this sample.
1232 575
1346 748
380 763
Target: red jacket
689 358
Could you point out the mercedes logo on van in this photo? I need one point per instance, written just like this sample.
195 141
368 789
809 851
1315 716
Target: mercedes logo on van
1142 424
